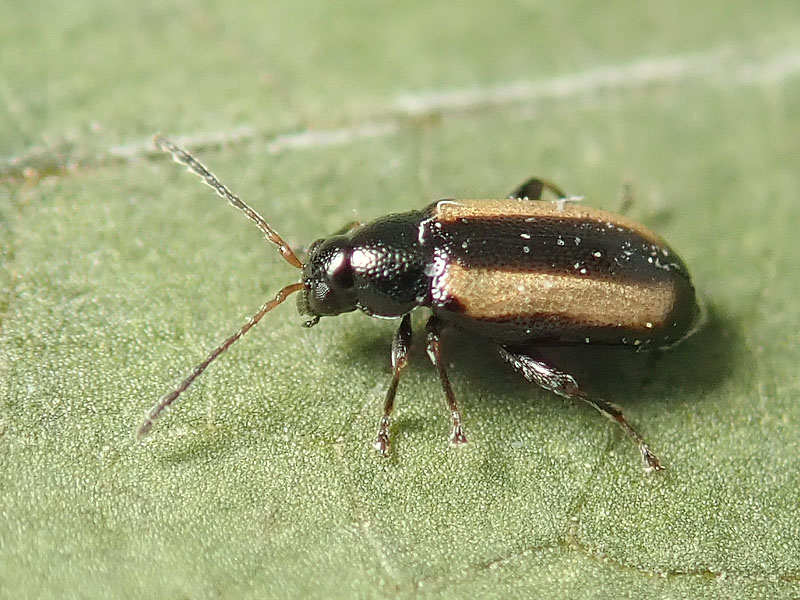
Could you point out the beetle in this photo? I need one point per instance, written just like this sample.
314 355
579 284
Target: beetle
519 273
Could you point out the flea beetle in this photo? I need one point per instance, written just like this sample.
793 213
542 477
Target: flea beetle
518 273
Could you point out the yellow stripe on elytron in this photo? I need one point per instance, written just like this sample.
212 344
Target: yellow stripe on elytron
448 211
493 294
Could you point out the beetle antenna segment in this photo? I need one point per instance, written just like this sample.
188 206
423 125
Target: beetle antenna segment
168 399
195 166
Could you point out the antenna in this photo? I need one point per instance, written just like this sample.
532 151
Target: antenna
169 398
195 166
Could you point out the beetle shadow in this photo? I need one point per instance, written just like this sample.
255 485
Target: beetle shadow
618 374
682 374
621 375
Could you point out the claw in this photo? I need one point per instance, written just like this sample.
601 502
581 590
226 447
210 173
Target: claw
457 437
650 460
381 443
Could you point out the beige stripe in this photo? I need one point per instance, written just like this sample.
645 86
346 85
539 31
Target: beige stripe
492 294
448 211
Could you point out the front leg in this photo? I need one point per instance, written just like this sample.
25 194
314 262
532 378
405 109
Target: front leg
552 379
434 328
348 228
401 345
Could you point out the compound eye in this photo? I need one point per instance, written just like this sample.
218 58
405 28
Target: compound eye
340 272
321 292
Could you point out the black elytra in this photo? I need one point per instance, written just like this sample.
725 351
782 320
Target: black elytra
517 272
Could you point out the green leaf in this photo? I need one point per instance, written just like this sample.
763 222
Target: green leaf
119 272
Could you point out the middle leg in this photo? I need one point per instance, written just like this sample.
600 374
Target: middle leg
533 188
434 328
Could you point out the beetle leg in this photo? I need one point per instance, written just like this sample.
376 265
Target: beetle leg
348 228
627 199
434 328
401 344
563 384
533 188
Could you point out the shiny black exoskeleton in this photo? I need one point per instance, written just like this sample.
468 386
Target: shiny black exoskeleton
379 268
515 272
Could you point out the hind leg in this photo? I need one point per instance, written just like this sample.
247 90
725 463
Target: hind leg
550 378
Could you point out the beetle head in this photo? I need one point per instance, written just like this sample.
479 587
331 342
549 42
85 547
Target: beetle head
328 280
